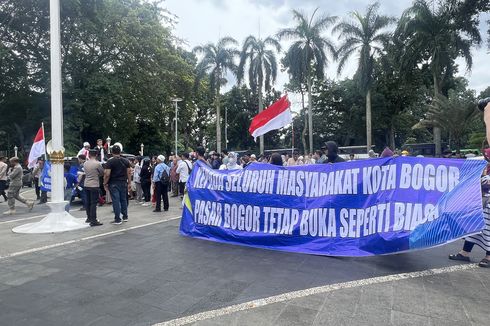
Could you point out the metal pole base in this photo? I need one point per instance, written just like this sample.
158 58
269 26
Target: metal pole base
57 221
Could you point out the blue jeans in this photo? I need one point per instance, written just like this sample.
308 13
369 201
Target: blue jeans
119 194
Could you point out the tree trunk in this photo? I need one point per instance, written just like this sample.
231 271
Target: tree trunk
368 121
218 122
392 136
305 127
310 114
436 130
261 108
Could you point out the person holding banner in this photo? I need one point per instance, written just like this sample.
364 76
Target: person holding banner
15 177
481 239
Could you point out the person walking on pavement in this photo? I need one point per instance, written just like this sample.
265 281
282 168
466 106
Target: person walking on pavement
93 172
3 176
184 170
15 177
161 182
117 180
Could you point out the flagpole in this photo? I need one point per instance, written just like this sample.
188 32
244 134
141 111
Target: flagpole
44 137
58 220
292 138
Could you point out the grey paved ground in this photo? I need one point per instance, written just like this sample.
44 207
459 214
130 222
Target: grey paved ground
152 274
459 298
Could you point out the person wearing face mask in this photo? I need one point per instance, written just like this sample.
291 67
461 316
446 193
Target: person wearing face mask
232 163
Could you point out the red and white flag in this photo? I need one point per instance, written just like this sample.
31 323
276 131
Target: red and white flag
274 117
38 148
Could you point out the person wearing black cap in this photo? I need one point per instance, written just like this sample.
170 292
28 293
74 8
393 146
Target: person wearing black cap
93 171
3 176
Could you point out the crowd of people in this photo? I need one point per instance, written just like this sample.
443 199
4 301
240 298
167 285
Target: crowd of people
105 176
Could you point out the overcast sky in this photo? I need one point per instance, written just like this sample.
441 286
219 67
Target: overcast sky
204 21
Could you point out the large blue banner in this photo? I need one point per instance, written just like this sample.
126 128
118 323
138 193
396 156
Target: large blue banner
357 208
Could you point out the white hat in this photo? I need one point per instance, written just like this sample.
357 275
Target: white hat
119 145
86 144
253 156
161 158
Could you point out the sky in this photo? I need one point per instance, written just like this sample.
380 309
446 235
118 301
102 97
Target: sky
203 21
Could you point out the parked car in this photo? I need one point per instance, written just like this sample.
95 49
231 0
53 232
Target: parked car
27 178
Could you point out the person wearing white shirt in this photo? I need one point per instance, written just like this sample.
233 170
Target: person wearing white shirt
232 163
84 151
3 176
137 180
183 170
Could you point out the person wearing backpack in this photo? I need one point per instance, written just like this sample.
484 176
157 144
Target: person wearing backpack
184 170
161 180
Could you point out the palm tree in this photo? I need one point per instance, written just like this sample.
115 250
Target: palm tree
455 114
431 36
217 60
262 67
307 56
365 35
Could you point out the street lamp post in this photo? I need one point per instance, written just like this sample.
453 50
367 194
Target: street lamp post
15 150
142 146
226 127
176 100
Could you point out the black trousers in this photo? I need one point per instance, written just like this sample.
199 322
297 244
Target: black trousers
161 192
181 188
3 183
92 198
468 246
37 188
146 186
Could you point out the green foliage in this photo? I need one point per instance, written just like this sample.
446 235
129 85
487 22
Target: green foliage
455 114
119 68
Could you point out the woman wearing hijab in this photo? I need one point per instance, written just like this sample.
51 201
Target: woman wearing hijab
232 162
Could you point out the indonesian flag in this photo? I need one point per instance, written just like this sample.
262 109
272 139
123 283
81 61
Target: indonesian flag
38 148
274 117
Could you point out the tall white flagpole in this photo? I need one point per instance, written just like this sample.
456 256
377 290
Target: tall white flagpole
58 220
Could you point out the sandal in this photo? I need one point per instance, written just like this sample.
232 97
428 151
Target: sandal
459 257
484 263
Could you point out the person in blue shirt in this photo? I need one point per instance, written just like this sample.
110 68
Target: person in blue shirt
71 182
161 182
